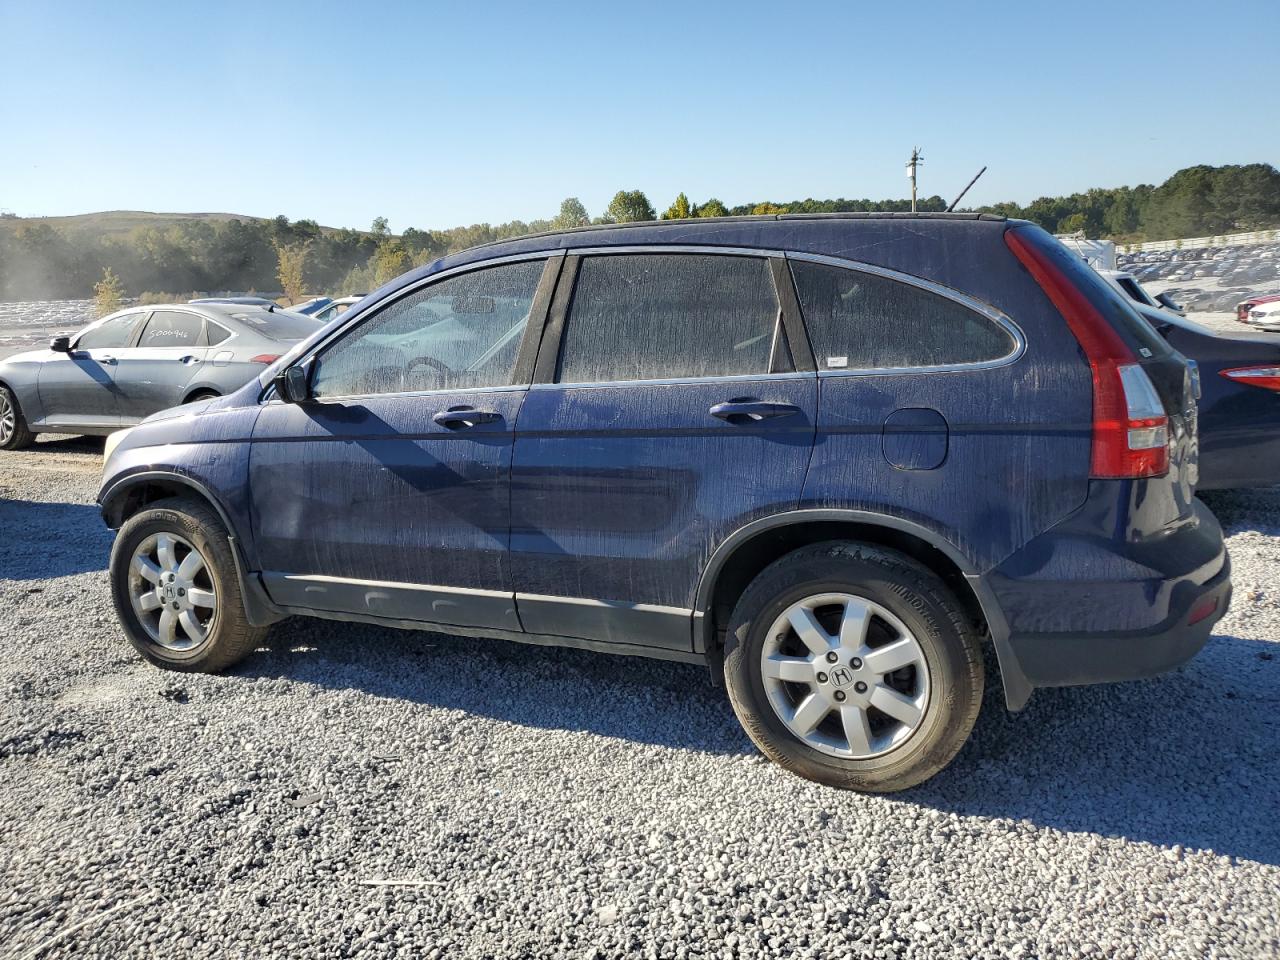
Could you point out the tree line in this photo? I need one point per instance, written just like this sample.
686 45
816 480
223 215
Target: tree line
39 261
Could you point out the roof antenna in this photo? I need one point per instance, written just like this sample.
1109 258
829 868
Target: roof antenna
966 189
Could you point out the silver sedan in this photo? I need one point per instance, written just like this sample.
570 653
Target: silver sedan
129 365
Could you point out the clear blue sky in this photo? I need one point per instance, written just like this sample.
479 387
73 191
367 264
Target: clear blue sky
435 115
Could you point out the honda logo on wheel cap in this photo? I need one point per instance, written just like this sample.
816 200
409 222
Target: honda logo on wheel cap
841 676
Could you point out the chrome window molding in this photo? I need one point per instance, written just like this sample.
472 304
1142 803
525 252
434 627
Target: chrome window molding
986 310
657 248
672 381
408 394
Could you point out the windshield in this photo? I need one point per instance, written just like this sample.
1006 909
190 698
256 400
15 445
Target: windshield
277 324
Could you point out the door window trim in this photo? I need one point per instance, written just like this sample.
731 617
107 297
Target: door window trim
985 310
521 373
544 376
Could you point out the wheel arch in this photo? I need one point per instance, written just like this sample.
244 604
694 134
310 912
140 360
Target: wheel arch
194 392
130 494
745 553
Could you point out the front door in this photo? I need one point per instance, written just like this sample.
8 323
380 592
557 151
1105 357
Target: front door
154 374
387 495
79 388
673 416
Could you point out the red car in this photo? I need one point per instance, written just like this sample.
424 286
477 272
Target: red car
1244 306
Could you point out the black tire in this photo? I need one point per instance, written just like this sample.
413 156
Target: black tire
20 437
202 395
919 599
229 635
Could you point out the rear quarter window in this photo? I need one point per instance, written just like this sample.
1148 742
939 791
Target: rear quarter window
863 321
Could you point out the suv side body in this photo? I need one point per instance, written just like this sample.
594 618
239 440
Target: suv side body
614 491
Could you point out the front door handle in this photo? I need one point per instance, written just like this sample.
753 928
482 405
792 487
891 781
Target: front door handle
106 359
455 418
750 410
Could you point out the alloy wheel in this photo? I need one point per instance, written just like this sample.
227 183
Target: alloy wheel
172 591
8 418
845 675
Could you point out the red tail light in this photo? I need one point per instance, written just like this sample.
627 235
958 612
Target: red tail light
1268 378
265 358
1130 426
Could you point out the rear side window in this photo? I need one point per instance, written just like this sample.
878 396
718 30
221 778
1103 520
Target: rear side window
278 324
672 315
216 334
863 321
113 333
171 328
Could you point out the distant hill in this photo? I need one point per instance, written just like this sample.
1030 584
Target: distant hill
112 222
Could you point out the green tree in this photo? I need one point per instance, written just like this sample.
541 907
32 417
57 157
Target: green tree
291 264
380 228
712 208
572 214
767 208
1073 224
681 209
108 293
389 261
629 206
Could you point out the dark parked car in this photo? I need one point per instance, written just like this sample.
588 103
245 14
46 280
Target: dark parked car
1240 401
829 456
125 367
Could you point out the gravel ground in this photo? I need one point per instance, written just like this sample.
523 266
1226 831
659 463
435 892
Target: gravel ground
539 803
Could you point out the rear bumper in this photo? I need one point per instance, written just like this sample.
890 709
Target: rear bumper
1061 660
1077 609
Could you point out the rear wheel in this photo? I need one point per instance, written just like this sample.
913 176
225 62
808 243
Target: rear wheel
14 434
176 592
854 666
202 395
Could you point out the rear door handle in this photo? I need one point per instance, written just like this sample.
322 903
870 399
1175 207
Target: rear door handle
747 410
188 360
458 417
107 359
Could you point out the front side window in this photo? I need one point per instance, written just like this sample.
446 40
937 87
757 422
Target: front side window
172 328
669 315
112 334
460 333
863 321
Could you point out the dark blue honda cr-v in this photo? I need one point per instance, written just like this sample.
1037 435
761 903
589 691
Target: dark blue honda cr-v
830 456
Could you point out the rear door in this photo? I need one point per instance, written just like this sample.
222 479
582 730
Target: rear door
79 388
669 413
154 374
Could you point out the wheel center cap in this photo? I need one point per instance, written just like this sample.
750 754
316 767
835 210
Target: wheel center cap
841 676
170 592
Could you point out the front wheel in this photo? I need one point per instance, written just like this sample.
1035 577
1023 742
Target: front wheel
176 592
854 666
14 434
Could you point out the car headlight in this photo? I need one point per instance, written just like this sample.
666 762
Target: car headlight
113 441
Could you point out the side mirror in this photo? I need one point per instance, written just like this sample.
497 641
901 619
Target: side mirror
291 385
1168 302
60 344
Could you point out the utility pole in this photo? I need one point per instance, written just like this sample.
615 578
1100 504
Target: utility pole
915 161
